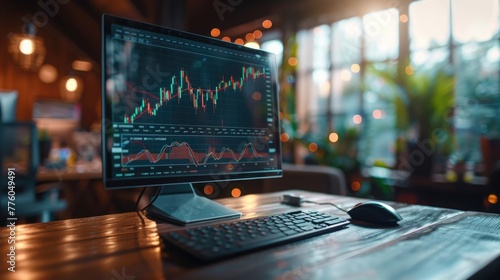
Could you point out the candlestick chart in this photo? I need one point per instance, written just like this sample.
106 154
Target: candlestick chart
201 98
235 98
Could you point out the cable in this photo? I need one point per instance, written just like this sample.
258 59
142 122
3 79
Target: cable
139 199
154 198
294 200
325 203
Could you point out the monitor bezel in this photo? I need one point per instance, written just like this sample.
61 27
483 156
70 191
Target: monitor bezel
107 125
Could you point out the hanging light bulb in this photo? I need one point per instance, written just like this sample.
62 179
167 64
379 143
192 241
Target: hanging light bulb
27 46
71 84
71 88
27 50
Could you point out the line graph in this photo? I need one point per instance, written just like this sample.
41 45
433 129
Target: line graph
169 151
180 87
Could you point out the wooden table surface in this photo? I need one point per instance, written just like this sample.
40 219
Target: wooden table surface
430 243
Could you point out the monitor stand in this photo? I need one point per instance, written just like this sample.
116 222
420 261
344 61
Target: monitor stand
180 204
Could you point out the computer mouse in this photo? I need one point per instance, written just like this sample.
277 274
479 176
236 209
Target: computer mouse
375 212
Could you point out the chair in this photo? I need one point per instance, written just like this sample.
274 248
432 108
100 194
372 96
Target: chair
313 178
19 150
325 179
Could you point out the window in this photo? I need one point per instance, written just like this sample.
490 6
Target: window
313 79
331 97
464 34
378 136
336 92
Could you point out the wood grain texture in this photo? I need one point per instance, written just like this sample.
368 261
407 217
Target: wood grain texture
430 243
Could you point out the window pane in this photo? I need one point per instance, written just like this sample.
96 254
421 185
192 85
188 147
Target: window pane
319 91
478 96
429 58
345 92
429 23
346 41
321 35
378 140
476 20
305 50
381 35
379 133
313 76
477 71
303 86
304 79
317 127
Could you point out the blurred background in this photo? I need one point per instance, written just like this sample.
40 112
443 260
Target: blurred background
401 96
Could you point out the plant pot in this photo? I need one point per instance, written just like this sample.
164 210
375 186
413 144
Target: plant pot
490 151
420 159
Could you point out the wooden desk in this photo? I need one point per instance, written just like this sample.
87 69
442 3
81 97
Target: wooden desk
430 243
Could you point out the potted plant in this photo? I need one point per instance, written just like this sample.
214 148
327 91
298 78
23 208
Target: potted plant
423 102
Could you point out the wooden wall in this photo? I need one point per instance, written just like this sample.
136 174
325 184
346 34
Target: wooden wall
61 52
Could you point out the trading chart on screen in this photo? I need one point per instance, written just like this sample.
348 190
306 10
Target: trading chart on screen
180 106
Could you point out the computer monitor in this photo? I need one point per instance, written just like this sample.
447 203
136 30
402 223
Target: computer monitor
8 106
180 108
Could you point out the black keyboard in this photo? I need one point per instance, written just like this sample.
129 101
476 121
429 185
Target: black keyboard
213 242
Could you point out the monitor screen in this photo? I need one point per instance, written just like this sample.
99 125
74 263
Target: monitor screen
8 106
184 108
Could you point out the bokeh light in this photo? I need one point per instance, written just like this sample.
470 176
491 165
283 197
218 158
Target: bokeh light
47 73
333 137
377 114
236 192
313 147
409 70
493 199
249 37
82 65
345 75
284 137
257 34
257 96
208 189
355 186
267 24
293 61
215 32
355 68
253 45
357 119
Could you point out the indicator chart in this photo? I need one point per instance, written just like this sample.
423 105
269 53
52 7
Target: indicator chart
196 88
143 151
